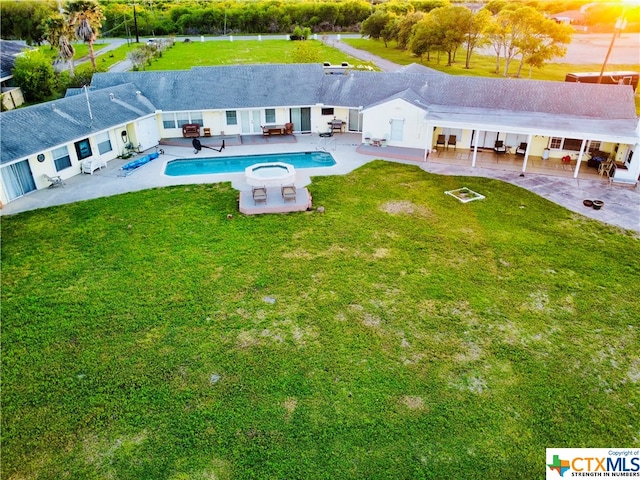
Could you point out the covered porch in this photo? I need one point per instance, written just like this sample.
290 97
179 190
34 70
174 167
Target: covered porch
516 163
487 159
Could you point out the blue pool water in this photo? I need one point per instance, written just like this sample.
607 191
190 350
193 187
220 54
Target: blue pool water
200 166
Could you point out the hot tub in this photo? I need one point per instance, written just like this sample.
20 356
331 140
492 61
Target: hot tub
271 174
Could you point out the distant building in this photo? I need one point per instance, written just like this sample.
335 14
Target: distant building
11 95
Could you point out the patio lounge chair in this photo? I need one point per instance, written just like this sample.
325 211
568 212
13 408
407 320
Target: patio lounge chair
500 147
259 194
452 141
440 141
288 192
55 181
522 149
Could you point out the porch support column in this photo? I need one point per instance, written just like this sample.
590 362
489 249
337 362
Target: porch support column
474 135
582 147
428 144
526 153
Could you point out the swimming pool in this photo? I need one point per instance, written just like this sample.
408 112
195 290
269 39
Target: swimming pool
200 166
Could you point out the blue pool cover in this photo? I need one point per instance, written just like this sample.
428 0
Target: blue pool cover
138 162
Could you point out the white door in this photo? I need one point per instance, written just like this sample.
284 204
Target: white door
147 133
397 130
250 121
355 120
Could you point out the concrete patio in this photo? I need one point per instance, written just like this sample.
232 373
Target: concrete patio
547 178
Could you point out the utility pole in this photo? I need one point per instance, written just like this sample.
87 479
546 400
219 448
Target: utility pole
135 22
621 23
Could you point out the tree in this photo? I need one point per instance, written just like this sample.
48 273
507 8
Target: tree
390 30
424 36
58 32
474 36
34 74
23 20
497 33
405 27
86 17
526 32
374 25
450 24
542 39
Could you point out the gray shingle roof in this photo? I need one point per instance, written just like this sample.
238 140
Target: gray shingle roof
29 130
417 68
297 85
8 51
210 88
444 97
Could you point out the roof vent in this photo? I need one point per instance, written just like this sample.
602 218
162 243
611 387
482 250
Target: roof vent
111 96
138 93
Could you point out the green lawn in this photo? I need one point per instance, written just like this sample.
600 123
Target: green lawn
103 61
481 65
110 58
400 334
241 52
81 50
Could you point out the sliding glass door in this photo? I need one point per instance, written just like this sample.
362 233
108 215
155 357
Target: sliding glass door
17 179
301 119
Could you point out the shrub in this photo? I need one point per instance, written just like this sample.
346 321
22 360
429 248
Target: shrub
34 74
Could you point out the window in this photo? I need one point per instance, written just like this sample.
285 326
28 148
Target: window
168 120
270 115
61 158
182 118
327 111
83 148
594 146
558 143
104 143
196 117
573 144
555 143
232 119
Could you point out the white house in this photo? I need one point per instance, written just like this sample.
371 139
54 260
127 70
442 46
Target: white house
409 108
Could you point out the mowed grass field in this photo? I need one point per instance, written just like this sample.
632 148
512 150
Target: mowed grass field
399 334
480 65
184 55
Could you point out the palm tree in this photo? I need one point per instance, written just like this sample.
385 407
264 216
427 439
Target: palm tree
66 52
86 18
57 31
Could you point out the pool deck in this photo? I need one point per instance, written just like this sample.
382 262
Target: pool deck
275 202
622 204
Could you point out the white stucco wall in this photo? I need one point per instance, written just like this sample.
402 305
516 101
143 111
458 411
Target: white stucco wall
376 123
